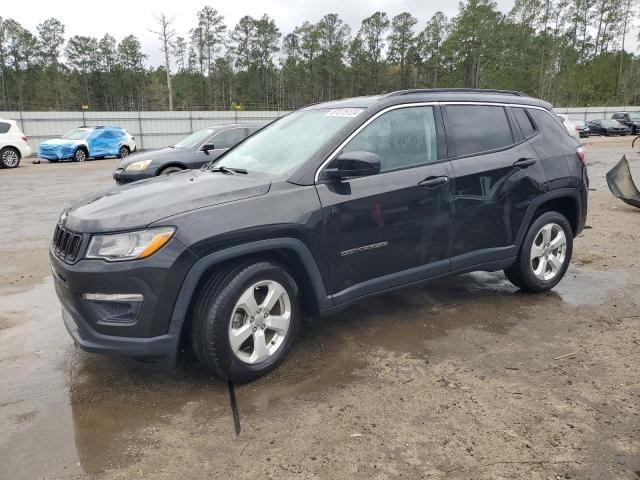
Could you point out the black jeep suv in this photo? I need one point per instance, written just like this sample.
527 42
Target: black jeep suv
326 206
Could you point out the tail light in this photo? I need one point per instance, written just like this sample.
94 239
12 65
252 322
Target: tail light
582 155
24 138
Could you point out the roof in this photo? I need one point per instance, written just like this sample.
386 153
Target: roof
434 95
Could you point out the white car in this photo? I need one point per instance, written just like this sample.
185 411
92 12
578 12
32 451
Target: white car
13 144
570 125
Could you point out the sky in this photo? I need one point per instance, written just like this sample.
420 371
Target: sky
120 18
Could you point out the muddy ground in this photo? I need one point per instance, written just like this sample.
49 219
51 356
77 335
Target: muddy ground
456 379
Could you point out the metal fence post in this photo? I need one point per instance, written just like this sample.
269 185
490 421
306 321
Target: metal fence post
190 119
22 123
140 130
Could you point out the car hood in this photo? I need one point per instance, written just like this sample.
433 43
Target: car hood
139 204
158 156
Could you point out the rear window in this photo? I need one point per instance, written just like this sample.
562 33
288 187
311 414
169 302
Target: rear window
526 127
478 128
4 127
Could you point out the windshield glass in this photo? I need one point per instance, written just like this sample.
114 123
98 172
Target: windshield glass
611 123
634 115
289 142
195 139
77 134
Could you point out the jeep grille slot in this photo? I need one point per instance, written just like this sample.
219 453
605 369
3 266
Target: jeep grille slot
66 244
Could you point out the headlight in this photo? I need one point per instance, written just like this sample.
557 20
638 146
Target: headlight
138 166
129 246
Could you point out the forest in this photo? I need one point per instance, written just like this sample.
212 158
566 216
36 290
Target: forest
569 52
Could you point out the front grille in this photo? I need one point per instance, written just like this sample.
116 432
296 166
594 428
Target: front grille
66 244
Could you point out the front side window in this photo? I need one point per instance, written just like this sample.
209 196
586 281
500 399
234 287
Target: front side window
477 128
228 138
402 138
289 142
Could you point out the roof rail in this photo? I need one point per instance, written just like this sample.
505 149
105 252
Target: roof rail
491 91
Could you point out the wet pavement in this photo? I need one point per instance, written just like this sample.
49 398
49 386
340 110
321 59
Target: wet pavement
458 378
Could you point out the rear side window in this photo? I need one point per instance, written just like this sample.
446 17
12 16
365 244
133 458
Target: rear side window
402 138
4 127
550 128
526 127
477 128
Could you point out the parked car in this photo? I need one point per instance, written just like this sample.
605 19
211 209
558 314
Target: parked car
570 125
13 144
606 127
326 206
88 142
582 128
193 151
631 120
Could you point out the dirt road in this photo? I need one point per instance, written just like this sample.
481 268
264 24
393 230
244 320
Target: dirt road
464 378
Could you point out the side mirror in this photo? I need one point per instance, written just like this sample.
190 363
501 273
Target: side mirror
207 146
353 164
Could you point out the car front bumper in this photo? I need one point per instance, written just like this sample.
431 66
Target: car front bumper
101 319
121 176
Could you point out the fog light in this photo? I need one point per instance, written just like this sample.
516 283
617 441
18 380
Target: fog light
113 297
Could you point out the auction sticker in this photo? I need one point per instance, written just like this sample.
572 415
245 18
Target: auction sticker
344 112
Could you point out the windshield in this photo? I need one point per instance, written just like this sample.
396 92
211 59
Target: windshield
611 123
195 139
634 115
77 134
289 142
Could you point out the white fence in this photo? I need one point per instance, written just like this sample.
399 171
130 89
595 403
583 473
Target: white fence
159 129
151 129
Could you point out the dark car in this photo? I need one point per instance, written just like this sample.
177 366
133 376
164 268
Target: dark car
631 120
326 206
582 128
191 152
606 127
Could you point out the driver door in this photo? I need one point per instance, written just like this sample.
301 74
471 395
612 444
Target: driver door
219 143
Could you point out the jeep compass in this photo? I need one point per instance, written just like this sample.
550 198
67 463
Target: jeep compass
326 206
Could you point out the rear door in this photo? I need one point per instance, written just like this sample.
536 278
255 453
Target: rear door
497 175
392 228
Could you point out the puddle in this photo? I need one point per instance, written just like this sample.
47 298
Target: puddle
83 413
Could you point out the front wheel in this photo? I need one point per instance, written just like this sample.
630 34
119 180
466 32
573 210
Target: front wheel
80 155
245 320
545 254
123 152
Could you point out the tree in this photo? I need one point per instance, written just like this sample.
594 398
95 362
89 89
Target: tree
166 34
242 40
131 60
81 53
372 32
430 43
50 43
401 40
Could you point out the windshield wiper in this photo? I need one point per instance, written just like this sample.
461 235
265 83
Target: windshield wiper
228 170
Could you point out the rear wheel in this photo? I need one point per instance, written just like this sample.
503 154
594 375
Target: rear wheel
245 320
80 155
545 254
170 170
9 157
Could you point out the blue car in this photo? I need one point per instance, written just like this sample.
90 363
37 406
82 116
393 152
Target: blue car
88 142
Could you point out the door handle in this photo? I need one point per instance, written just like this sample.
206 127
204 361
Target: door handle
433 182
524 162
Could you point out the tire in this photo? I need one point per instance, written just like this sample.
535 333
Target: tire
219 313
123 151
9 157
170 170
80 155
528 272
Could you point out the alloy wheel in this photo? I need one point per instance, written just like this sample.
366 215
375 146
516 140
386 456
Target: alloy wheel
548 252
260 322
10 158
81 156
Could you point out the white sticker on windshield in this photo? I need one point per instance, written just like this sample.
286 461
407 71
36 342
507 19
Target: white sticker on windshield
343 112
